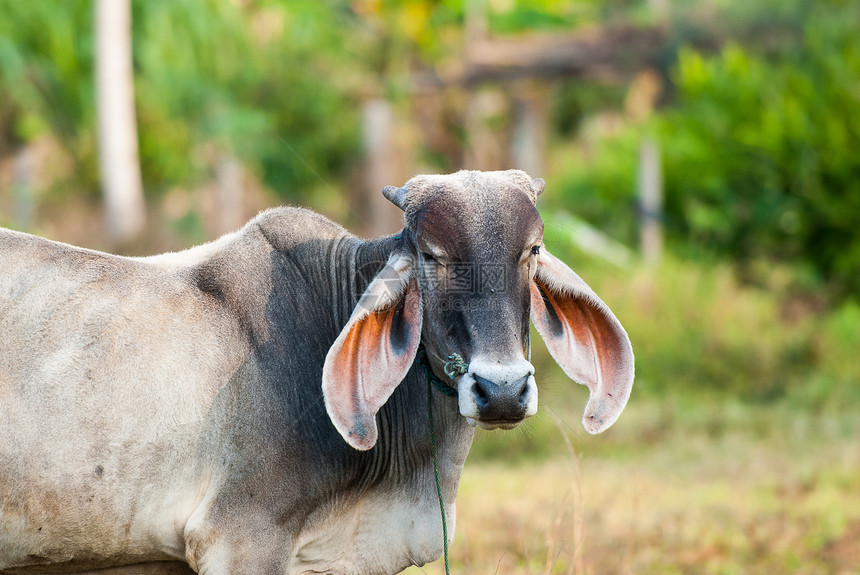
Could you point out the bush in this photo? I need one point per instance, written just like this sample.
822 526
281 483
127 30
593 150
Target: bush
758 155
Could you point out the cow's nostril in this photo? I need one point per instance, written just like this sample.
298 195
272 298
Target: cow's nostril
524 394
501 402
480 395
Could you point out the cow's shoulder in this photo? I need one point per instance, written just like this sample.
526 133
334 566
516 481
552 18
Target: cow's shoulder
281 228
288 226
236 272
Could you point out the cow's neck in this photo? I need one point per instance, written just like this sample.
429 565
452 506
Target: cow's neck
403 421
401 464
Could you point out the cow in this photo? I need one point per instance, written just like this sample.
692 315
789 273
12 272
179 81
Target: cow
254 405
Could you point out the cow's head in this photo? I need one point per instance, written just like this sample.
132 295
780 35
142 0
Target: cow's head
471 270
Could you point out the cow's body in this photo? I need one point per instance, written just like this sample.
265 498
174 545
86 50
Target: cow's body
253 406
169 392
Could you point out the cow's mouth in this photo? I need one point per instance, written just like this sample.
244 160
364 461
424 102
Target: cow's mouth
491 424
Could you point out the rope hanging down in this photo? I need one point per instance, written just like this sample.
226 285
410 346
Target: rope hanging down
436 472
453 367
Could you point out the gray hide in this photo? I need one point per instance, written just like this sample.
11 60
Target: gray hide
252 405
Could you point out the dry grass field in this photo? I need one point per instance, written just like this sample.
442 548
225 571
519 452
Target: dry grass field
734 489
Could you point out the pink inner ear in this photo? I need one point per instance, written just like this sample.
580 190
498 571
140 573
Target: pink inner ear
589 344
387 341
367 362
567 331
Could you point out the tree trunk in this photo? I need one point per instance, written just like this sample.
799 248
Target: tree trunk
125 212
23 188
229 176
378 215
650 201
529 134
486 121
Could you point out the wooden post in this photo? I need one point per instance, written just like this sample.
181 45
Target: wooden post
660 9
528 138
118 158
228 173
23 188
650 201
484 147
487 110
378 215
476 28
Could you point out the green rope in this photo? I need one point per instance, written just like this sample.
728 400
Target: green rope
436 471
438 383
455 366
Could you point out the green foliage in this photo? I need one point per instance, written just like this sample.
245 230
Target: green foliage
309 87
46 78
261 81
572 102
188 60
513 17
834 378
696 330
46 64
596 179
395 31
758 154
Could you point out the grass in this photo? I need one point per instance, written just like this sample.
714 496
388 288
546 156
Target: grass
739 452
768 491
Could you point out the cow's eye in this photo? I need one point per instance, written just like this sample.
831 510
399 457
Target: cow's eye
428 257
535 250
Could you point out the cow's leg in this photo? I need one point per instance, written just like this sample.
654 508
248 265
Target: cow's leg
241 558
247 543
233 556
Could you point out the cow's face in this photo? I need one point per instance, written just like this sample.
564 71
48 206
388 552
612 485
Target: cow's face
477 240
470 272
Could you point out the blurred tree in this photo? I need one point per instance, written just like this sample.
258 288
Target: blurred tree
266 82
125 212
757 148
761 163
46 79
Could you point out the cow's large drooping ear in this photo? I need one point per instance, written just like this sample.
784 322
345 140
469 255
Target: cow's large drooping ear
373 352
584 338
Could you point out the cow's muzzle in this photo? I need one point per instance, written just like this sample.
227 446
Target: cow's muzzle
498 395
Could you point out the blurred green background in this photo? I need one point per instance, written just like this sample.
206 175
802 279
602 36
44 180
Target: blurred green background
739 284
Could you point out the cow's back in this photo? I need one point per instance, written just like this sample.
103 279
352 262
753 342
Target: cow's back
108 366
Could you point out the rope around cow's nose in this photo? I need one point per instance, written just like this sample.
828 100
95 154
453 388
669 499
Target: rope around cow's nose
455 366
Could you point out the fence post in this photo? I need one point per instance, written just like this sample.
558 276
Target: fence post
528 137
378 216
229 175
23 188
650 201
125 211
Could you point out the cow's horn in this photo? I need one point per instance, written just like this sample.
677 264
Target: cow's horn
395 195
